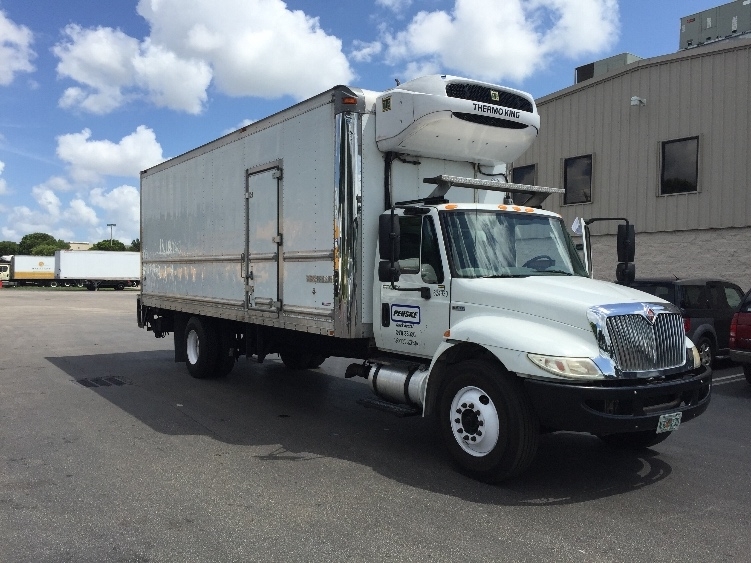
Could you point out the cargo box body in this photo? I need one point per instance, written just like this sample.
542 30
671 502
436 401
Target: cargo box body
276 224
32 268
97 265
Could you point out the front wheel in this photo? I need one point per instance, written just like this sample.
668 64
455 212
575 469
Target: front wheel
706 351
635 440
487 422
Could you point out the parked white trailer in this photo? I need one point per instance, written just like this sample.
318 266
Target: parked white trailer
98 268
375 226
29 270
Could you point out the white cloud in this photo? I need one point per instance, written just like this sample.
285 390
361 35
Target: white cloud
3 183
15 49
115 68
89 159
121 206
503 39
248 47
47 200
397 6
364 52
78 213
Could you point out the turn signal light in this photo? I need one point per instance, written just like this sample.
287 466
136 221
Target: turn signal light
686 325
349 100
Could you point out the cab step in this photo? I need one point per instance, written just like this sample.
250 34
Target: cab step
392 408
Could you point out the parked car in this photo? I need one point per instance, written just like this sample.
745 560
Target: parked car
707 306
740 336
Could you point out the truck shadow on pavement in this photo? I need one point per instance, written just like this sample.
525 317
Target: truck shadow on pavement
303 416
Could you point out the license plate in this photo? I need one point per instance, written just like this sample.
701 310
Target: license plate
669 422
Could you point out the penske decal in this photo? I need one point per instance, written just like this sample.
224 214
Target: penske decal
496 110
405 314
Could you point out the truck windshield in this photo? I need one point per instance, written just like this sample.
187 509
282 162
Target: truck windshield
502 244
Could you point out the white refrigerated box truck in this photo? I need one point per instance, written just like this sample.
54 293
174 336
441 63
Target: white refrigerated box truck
376 226
98 268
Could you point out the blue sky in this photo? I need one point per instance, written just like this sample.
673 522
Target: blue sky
93 91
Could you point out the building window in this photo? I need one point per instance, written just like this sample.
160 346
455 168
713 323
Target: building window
680 166
523 175
577 179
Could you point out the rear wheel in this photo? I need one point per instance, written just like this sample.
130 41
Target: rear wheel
635 440
295 360
487 422
120 287
201 348
226 354
706 351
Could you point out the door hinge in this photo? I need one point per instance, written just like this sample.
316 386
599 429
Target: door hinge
277 239
277 174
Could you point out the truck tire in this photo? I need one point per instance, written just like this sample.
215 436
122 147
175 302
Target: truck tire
201 348
295 360
487 422
226 358
120 286
316 360
706 351
635 440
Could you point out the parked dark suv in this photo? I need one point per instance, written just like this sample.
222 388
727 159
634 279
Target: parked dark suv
707 306
740 336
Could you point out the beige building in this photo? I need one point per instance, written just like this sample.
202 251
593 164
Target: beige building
663 142
80 245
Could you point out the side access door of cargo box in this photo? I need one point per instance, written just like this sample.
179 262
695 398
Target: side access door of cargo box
263 239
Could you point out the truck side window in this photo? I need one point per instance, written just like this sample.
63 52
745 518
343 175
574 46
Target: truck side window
431 269
409 249
733 296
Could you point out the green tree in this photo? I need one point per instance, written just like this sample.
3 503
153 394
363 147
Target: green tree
31 241
135 245
44 250
114 245
8 247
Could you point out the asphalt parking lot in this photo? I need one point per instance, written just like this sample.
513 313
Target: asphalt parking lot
109 451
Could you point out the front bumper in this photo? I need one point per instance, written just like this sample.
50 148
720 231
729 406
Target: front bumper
619 406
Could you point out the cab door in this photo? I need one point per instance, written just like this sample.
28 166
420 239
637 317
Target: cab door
409 323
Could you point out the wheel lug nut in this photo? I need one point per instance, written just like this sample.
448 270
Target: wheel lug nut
471 405
464 405
457 420
460 430
474 439
478 413
466 437
479 432
458 411
482 423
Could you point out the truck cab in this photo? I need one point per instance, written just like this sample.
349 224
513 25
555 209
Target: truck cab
517 339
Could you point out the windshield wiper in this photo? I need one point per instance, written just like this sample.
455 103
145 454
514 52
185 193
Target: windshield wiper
506 276
555 272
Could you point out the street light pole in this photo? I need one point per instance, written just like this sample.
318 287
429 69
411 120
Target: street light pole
110 225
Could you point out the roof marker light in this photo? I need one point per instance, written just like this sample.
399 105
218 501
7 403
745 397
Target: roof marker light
349 100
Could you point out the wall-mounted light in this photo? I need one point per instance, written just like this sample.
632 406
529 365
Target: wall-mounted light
637 101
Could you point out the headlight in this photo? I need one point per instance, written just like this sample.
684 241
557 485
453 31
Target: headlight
697 357
575 368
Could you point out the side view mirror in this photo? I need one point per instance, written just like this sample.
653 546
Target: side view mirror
388 238
625 272
626 243
386 273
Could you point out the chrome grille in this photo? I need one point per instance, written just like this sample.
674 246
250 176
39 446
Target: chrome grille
638 345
